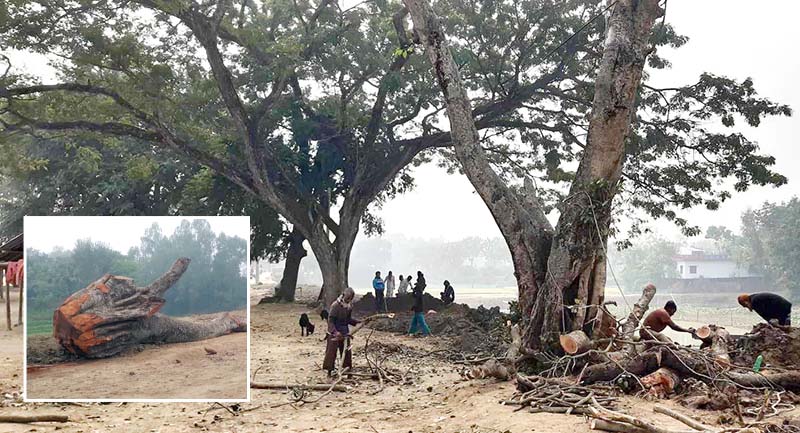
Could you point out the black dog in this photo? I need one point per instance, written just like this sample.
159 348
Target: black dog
306 327
324 315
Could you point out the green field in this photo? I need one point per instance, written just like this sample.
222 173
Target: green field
40 322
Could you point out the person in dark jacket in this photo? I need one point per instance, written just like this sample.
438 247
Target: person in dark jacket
378 286
419 308
449 294
339 321
769 306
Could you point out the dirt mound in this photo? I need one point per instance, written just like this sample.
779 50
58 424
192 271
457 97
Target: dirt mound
399 304
470 330
779 347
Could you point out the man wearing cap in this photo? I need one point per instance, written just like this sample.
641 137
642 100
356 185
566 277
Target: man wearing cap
769 306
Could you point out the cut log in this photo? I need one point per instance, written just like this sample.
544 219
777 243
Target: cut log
575 343
112 314
614 426
285 386
661 382
703 332
789 380
26 419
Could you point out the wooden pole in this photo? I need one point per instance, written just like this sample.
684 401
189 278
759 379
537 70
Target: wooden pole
19 313
8 302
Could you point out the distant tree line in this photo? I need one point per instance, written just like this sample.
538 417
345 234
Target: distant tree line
215 280
769 243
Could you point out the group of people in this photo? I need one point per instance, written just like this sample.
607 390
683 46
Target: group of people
385 288
771 307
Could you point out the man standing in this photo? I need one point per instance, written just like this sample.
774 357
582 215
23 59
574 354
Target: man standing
378 286
389 284
656 321
339 321
769 306
419 308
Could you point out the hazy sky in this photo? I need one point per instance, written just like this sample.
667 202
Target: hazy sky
735 38
119 233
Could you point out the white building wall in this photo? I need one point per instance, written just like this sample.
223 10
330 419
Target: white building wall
710 269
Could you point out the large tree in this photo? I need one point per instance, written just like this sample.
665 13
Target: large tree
316 107
561 269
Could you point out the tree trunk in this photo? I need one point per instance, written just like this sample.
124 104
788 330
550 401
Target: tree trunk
288 285
572 257
519 216
576 263
334 259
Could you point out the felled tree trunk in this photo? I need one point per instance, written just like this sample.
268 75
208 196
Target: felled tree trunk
112 314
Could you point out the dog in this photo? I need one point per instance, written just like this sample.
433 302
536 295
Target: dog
324 315
306 327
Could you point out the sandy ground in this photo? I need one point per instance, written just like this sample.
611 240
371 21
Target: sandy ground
152 372
438 401
170 371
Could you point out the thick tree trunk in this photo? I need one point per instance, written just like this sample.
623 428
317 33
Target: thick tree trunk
288 285
576 263
572 258
518 215
334 259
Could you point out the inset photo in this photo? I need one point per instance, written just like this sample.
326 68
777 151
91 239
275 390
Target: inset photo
136 308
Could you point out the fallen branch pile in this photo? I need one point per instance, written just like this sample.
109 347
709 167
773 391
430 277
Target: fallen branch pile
539 394
719 375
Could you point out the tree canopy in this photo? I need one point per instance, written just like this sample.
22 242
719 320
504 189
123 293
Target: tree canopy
69 175
308 105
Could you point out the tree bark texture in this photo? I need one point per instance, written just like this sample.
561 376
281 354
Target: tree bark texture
288 285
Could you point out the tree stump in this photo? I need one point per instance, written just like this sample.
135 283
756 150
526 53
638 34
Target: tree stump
112 314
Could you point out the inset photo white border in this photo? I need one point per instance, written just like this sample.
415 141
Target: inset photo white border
61 236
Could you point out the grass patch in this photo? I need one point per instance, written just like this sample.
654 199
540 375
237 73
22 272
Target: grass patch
40 322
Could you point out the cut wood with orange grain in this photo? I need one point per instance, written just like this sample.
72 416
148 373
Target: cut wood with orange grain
661 382
575 343
112 314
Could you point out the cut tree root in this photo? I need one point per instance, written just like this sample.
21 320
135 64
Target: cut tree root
26 419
